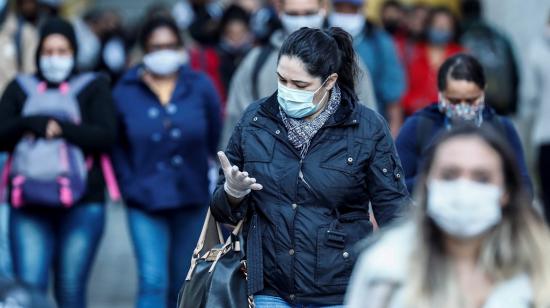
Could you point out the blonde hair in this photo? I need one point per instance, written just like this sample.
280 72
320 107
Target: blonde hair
519 244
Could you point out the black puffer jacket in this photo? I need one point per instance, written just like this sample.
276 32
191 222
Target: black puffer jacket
301 232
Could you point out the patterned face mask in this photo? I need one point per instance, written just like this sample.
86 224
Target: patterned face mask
462 112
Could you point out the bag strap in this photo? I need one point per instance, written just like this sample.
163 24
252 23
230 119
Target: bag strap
79 82
110 178
29 84
265 51
4 180
209 223
18 42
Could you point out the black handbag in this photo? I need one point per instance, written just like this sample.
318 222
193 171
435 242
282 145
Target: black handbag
217 277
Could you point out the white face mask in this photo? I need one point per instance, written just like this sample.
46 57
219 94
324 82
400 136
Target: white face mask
114 55
297 103
351 23
165 62
292 23
56 68
464 208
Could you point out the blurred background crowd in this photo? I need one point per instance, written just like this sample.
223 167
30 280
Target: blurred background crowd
400 44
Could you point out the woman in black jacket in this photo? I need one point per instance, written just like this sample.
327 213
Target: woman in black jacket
35 109
303 165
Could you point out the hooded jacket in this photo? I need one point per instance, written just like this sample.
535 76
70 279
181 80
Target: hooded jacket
94 135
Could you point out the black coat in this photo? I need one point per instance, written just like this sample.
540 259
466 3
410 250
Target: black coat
301 232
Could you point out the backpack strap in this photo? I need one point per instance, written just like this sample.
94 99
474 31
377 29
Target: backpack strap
110 179
79 82
29 84
424 128
5 179
265 51
18 41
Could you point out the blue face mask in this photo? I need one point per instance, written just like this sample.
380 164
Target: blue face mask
439 37
297 103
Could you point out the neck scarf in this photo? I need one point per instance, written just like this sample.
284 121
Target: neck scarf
302 131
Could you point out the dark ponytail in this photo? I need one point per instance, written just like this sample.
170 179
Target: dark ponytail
323 53
347 74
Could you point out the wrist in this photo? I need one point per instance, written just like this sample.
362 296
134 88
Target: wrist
237 194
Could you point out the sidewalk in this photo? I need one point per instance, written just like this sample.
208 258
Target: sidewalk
113 282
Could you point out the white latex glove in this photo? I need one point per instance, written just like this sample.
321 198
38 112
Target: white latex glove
237 184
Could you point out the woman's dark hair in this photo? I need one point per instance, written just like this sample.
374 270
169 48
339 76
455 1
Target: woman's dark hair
154 23
391 4
521 227
323 53
461 67
442 10
234 13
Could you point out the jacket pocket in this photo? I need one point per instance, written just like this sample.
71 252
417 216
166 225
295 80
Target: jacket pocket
343 165
258 146
336 255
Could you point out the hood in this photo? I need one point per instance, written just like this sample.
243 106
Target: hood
56 26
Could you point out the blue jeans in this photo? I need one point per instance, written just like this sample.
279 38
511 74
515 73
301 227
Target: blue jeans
265 301
66 239
6 270
163 245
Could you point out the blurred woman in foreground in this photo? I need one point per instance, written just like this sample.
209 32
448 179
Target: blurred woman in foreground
474 243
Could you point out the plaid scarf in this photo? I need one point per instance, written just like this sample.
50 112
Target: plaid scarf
302 131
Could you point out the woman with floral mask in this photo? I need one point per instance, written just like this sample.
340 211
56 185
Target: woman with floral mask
302 165
170 121
461 84
475 241
55 124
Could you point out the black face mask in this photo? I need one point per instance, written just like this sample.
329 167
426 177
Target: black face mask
392 26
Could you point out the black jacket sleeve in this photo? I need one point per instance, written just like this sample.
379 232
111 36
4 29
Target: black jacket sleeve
12 125
221 209
389 196
97 132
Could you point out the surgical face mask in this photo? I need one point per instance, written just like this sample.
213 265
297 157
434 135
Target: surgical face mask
165 62
463 208
114 54
56 68
439 37
298 103
351 23
463 112
292 23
